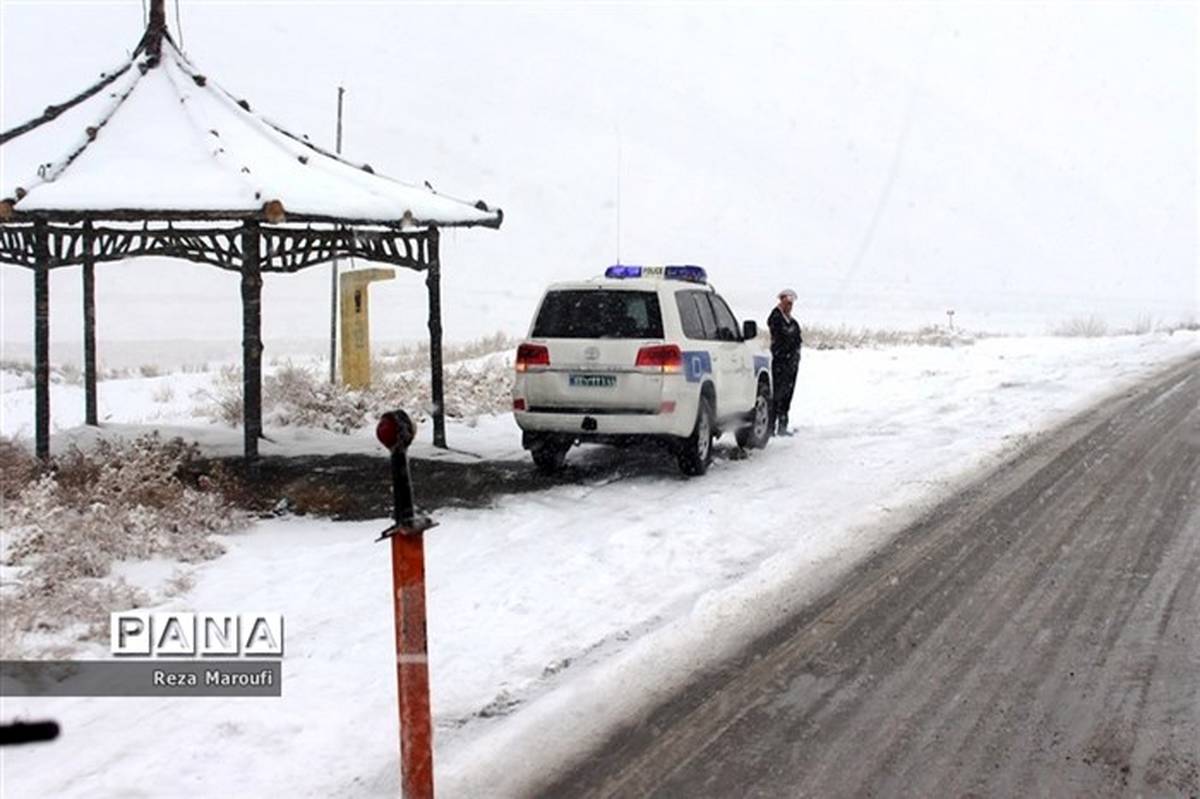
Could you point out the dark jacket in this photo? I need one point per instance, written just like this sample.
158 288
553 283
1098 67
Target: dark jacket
785 336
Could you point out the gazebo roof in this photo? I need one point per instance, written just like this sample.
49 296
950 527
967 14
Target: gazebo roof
158 138
156 159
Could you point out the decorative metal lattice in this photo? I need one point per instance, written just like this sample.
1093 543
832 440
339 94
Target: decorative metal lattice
285 248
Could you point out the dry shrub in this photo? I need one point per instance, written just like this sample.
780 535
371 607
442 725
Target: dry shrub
85 603
1082 327
126 500
414 357
70 374
1145 323
223 404
842 337
180 582
18 468
296 396
476 392
15 366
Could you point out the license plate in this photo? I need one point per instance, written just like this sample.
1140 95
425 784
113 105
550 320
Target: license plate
592 381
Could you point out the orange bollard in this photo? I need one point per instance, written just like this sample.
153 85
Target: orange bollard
412 665
395 431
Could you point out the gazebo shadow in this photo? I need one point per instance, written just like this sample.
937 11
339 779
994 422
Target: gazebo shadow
357 487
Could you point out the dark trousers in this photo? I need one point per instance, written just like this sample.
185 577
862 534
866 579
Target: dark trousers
783 376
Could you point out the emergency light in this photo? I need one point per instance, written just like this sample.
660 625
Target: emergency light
689 273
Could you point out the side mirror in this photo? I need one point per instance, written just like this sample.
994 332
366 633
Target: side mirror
749 330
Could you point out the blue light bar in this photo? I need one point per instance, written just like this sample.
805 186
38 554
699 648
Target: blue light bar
623 271
689 273
692 274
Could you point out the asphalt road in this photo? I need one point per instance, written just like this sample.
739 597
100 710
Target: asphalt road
1037 635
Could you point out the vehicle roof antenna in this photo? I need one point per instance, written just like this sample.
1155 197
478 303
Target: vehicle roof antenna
618 193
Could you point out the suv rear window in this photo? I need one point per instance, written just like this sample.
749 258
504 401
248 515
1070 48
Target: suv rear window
599 313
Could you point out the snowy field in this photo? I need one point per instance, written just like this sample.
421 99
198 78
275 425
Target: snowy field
555 615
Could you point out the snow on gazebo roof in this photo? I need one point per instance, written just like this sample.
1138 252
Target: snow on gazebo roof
157 137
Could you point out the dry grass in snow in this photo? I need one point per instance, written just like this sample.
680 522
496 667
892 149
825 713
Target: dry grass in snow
302 396
65 527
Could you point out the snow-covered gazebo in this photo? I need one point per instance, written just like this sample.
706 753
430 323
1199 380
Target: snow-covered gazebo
156 159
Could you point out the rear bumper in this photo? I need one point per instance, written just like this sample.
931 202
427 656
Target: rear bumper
600 426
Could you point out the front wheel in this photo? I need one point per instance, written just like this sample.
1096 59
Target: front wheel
756 434
695 451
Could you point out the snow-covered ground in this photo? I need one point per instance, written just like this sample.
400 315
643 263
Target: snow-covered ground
554 615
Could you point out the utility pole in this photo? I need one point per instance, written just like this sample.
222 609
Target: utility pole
333 269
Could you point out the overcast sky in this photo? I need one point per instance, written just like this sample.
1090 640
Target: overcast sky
1020 163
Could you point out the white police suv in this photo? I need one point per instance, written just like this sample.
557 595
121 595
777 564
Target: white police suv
643 353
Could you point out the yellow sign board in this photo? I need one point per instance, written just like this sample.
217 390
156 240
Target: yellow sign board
356 327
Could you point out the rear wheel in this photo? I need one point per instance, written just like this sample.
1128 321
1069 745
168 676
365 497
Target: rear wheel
756 434
549 456
695 451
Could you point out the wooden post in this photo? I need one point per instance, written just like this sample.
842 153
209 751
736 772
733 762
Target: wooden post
433 282
41 339
91 415
251 338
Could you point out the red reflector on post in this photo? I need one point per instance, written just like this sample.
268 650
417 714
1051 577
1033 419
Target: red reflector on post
388 431
395 429
666 357
518 405
532 355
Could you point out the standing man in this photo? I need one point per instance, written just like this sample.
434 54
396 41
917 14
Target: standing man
785 359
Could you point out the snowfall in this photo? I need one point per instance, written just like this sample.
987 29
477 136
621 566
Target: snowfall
559 616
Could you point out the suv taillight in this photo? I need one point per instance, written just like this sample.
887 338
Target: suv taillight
662 356
532 355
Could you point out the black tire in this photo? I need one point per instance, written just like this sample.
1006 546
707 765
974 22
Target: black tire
549 456
695 451
756 434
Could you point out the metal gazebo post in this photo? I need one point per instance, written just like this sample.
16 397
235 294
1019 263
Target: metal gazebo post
251 337
433 282
91 413
156 27
41 339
